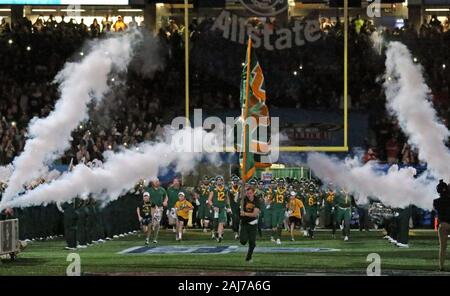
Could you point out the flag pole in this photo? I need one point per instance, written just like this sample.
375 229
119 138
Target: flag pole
244 118
186 59
346 75
247 85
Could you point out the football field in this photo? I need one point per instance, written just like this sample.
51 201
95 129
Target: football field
198 254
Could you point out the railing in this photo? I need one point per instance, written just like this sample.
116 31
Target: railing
9 236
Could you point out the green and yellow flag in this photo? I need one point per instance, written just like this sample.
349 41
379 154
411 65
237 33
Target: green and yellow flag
255 137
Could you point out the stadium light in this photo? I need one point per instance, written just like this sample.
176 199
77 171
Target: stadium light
109 147
415 60
301 67
159 5
443 66
81 53
295 73
13 123
28 48
129 10
73 10
437 9
113 79
81 126
5 9
43 10
243 64
10 41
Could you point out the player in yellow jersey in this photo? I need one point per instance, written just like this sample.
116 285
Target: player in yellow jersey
296 210
182 206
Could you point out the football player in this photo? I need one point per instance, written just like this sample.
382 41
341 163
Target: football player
278 205
312 206
218 198
329 208
343 205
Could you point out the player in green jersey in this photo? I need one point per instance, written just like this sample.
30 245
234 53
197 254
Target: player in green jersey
278 205
343 205
311 204
218 198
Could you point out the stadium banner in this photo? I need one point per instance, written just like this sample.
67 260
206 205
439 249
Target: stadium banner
302 127
65 2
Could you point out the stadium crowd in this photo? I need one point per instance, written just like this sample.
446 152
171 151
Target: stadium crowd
307 77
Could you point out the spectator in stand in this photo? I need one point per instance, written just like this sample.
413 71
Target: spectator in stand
119 25
95 28
369 155
435 23
392 150
3 24
83 155
358 23
133 23
408 156
106 24
82 27
38 25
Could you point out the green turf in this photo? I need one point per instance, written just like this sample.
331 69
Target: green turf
49 257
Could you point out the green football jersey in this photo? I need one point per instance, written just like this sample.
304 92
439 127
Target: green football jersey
157 196
343 199
311 200
172 195
329 199
279 198
235 199
219 199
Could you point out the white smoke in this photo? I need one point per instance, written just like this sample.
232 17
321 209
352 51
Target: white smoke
396 188
5 173
80 84
122 171
377 40
408 98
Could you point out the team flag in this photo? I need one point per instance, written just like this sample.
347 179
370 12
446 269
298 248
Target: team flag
255 138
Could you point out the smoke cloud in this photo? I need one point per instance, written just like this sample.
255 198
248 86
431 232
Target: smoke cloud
80 84
396 188
408 98
121 171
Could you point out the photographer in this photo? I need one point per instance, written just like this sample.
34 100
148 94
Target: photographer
442 207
